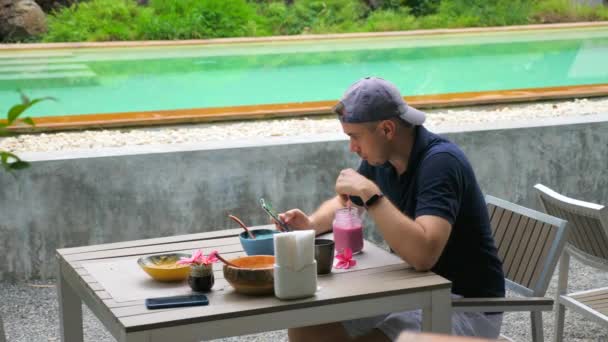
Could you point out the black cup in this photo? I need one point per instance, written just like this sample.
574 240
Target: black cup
324 254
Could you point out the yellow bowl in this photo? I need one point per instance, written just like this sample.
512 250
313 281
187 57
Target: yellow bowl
254 276
163 267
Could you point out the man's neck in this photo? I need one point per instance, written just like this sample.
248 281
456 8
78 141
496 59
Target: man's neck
402 149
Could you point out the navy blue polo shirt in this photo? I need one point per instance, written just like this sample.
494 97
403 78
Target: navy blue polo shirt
440 181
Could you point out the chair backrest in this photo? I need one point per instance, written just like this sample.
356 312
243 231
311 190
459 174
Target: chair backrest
587 225
529 244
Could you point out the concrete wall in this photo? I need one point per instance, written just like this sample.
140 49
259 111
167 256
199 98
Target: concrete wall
81 198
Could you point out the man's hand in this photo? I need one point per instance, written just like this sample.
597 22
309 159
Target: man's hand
352 183
296 219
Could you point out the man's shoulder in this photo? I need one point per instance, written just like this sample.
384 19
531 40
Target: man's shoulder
445 149
445 157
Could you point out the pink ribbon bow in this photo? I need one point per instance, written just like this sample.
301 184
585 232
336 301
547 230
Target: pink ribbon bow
198 258
345 259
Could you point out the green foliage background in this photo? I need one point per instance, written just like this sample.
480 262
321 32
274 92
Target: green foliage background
109 20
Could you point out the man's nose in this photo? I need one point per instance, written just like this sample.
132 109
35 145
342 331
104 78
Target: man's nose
353 147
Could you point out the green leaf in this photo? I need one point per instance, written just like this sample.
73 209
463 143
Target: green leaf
19 165
6 155
47 98
29 121
12 162
17 110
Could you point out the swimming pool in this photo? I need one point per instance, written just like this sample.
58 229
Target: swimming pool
144 79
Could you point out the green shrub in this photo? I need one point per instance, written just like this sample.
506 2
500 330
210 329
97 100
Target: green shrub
555 11
97 20
316 16
339 16
431 21
466 13
463 13
193 19
389 20
423 7
102 20
272 17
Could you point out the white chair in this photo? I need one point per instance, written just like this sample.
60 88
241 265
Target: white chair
588 243
529 244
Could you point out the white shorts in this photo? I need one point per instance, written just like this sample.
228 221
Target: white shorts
463 324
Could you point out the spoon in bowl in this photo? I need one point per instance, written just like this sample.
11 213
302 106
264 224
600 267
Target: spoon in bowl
237 220
217 255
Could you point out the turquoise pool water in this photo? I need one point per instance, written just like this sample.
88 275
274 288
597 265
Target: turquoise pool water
88 81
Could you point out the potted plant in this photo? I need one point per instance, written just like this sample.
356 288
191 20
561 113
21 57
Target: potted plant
201 277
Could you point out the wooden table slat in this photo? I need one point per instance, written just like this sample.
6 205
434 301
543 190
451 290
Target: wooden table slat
226 253
206 245
252 306
153 241
227 296
219 275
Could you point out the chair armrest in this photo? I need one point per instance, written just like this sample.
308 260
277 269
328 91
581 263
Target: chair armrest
502 304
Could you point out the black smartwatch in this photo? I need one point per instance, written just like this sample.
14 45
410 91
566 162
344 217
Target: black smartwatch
375 198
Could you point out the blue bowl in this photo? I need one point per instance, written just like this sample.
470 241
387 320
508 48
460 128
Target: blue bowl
263 244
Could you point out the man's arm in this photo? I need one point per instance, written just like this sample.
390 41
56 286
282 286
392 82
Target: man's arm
320 221
419 242
322 218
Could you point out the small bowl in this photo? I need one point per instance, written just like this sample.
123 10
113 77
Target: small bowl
254 276
263 244
163 267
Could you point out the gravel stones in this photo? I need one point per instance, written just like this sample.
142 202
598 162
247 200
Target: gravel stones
231 131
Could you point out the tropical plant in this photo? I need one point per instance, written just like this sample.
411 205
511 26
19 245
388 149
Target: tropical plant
11 161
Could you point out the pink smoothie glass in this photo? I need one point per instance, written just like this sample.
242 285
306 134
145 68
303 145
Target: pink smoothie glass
348 230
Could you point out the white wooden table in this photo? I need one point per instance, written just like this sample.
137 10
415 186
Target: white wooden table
380 283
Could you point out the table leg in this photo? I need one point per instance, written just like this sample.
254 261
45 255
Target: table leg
438 317
70 311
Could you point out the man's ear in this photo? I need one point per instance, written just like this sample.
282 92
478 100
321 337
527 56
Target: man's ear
389 128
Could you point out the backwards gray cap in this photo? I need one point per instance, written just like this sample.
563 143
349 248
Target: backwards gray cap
375 99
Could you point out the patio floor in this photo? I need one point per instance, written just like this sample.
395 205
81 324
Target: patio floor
30 313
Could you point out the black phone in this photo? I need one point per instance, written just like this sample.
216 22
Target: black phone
176 301
270 211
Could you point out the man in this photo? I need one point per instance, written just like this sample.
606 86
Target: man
421 192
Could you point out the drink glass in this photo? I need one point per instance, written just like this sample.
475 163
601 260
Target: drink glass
348 230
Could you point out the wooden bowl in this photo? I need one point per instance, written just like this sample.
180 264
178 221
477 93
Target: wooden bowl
163 267
255 275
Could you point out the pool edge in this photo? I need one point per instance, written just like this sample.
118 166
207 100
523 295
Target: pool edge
297 109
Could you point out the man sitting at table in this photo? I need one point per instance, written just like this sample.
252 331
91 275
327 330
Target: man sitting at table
423 197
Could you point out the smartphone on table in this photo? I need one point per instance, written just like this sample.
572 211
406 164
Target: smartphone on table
176 301
270 211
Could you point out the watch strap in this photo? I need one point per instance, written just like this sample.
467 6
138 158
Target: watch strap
374 199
